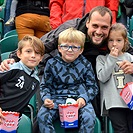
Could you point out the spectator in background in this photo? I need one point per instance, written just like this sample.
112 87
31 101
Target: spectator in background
125 10
32 17
7 16
122 17
11 20
128 3
129 7
63 10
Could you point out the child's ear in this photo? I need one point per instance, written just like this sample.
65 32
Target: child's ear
81 51
59 48
18 54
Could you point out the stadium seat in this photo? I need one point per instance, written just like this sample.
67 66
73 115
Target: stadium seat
1 2
59 129
9 33
25 125
131 26
5 55
9 44
31 109
2 14
130 39
110 127
1 28
97 128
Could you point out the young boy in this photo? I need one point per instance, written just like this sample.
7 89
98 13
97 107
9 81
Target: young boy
19 84
68 75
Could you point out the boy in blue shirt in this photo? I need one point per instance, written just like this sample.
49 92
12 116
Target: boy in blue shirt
69 74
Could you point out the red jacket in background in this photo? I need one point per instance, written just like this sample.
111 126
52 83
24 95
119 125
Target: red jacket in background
63 10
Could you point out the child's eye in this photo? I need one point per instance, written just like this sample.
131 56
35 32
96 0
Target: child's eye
110 40
28 51
119 40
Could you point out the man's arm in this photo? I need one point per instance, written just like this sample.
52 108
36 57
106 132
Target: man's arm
127 66
14 55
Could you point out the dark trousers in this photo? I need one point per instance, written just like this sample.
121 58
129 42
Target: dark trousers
122 120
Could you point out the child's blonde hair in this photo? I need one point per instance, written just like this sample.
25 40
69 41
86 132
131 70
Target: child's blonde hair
72 35
35 42
120 27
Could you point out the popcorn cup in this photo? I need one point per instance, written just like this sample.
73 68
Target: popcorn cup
68 115
127 94
10 123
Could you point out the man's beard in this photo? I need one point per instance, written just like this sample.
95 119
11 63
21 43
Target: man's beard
103 43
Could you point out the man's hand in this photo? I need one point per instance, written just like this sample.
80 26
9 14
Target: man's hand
5 64
49 103
1 116
81 102
127 67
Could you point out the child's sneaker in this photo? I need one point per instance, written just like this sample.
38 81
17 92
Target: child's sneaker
10 22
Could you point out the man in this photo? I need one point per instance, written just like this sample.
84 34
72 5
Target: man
95 26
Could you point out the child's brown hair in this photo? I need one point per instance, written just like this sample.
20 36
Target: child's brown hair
35 42
120 27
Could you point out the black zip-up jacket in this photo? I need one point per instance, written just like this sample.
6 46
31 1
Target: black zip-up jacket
17 86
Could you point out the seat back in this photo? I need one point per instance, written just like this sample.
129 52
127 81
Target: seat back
1 2
25 125
31 109
130 39
97 128
5 55
9 43
131 26
2 14
111 130
9 33
1 28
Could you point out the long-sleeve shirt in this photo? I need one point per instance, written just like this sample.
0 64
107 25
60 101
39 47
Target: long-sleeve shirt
61 79
112 79
17 86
